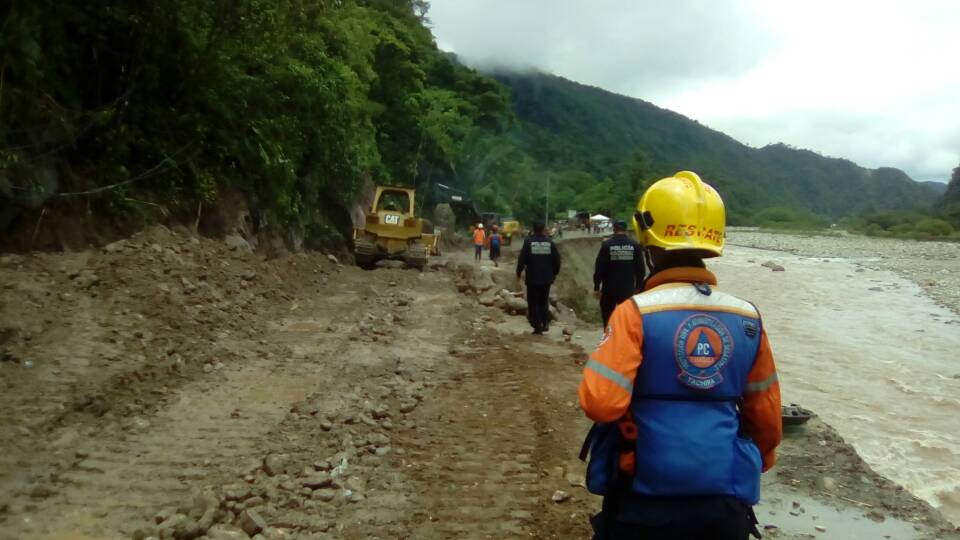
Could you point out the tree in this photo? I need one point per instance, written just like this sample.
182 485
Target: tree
950 202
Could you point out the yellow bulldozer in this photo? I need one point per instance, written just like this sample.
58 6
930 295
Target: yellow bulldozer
509 227
392 231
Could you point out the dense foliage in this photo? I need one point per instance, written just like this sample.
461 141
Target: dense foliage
296 105
949 205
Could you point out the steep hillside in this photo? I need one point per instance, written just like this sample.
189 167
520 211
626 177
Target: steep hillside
566 125
949 203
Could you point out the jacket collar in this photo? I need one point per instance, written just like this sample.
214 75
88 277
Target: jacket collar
681 274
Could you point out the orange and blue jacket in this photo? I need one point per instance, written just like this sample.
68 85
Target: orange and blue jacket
691 368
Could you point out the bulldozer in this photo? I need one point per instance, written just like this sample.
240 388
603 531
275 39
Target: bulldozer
392 231
509 227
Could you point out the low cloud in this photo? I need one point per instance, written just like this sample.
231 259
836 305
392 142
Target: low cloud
874 82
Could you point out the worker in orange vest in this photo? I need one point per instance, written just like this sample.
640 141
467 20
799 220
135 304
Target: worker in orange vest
682 387
478 239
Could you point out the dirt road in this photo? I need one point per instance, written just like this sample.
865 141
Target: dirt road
169 387
169 376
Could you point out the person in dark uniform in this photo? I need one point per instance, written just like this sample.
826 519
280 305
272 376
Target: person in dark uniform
618 273
541 260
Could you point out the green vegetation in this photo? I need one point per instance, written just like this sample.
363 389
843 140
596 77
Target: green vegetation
789 219
133 112
295 105
949 204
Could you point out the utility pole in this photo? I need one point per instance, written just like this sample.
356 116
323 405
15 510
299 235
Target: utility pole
546 210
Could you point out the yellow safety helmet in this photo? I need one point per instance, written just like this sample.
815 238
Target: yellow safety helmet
681 212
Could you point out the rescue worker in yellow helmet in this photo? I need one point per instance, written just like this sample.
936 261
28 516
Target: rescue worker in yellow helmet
683 386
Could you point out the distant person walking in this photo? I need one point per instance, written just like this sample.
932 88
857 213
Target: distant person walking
478 239
541 261
618 272
494 241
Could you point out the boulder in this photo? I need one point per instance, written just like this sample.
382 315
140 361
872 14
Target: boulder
515 305
317 481
481 281
226 532
488 298
238 243
251 522
274 464
773 266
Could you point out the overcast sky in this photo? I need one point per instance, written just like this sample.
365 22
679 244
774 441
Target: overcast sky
874 81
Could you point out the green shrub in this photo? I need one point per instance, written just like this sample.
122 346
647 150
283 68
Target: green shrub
902 230
779 217
933 227
874 229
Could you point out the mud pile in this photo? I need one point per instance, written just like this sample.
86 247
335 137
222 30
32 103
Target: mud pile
96 344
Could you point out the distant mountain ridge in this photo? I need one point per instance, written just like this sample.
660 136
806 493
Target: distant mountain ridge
937 187
565 124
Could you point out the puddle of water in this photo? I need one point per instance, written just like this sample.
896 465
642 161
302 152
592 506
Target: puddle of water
845 524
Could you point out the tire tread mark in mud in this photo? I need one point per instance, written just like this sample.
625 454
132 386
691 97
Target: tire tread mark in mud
473 461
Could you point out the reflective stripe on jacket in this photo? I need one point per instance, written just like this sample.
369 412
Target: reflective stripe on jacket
681 360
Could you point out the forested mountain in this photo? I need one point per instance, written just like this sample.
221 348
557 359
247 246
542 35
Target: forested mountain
937 187
126 113
565 125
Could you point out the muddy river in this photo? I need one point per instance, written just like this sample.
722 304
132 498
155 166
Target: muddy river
870 352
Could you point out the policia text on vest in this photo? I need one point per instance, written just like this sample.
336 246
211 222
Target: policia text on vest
618 272
540 260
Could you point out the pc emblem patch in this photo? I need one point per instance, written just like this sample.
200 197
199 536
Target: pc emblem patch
702 348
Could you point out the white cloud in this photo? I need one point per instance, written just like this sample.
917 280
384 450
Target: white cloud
873 81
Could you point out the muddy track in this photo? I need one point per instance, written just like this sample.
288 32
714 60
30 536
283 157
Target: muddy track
473 467
174 386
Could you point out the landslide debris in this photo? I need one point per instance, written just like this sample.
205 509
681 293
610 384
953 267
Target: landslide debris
95 344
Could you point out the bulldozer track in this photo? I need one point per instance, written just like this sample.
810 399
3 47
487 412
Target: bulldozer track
474 466
116 438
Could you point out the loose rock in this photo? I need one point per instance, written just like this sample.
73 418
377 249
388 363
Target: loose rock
226 532
317 481
274 464
251 522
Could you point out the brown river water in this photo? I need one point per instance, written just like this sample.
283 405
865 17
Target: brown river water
868 350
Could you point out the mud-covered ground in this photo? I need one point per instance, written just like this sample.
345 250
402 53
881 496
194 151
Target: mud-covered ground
170 387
